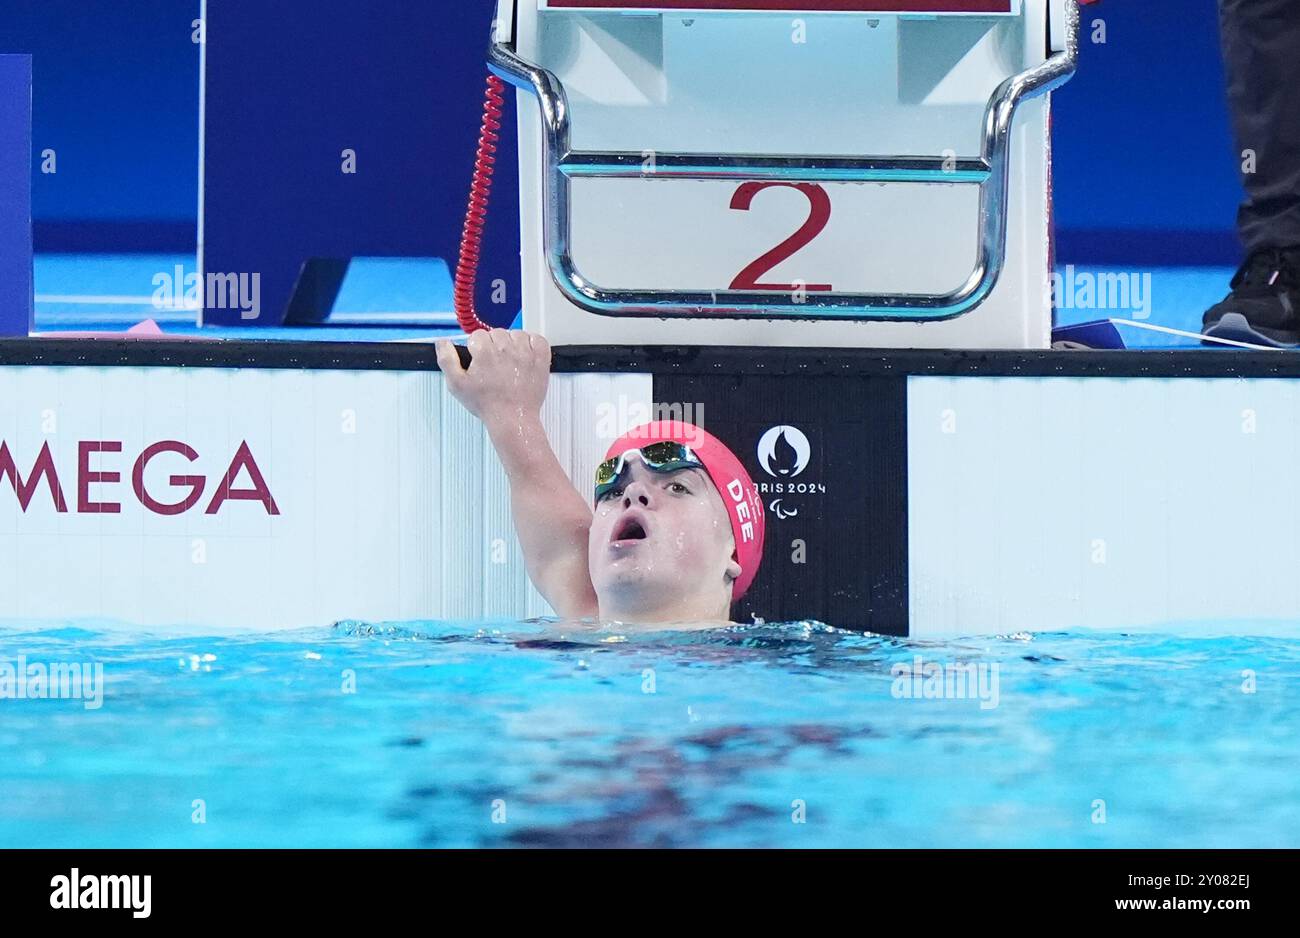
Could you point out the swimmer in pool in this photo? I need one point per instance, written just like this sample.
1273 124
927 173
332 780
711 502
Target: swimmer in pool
672 531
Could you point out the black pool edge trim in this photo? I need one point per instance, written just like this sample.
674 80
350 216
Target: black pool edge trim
759 360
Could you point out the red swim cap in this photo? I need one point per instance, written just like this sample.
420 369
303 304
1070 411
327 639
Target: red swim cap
738 491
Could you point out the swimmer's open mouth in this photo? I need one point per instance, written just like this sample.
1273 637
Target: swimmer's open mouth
629 529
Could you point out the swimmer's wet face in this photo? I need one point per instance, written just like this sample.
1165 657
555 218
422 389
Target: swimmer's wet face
662 542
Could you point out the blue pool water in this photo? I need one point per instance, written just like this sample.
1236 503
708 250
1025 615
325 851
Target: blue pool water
532 734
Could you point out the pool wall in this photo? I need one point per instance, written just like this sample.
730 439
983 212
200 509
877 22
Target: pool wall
268 485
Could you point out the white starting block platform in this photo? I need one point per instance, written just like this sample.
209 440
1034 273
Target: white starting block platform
804 173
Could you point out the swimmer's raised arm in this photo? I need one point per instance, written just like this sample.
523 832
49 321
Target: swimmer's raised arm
504 387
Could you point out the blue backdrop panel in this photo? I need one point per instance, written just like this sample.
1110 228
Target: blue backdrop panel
1145 166
15 194
116 97
292 85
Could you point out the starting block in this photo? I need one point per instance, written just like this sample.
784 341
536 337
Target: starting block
786 172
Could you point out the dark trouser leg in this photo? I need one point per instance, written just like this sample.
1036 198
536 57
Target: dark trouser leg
1261 50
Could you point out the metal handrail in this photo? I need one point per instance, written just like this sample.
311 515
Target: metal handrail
990 171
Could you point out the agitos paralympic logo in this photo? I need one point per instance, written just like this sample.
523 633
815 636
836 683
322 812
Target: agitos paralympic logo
96 467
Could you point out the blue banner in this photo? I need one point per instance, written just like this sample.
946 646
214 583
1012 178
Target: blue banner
15 195
335 130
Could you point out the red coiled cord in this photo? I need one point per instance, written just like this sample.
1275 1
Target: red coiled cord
471 241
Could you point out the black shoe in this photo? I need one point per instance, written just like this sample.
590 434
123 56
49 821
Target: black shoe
1264 305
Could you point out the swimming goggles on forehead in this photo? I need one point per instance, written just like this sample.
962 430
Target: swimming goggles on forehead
667 456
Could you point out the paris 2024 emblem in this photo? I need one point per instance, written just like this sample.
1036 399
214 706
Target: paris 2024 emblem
784 453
